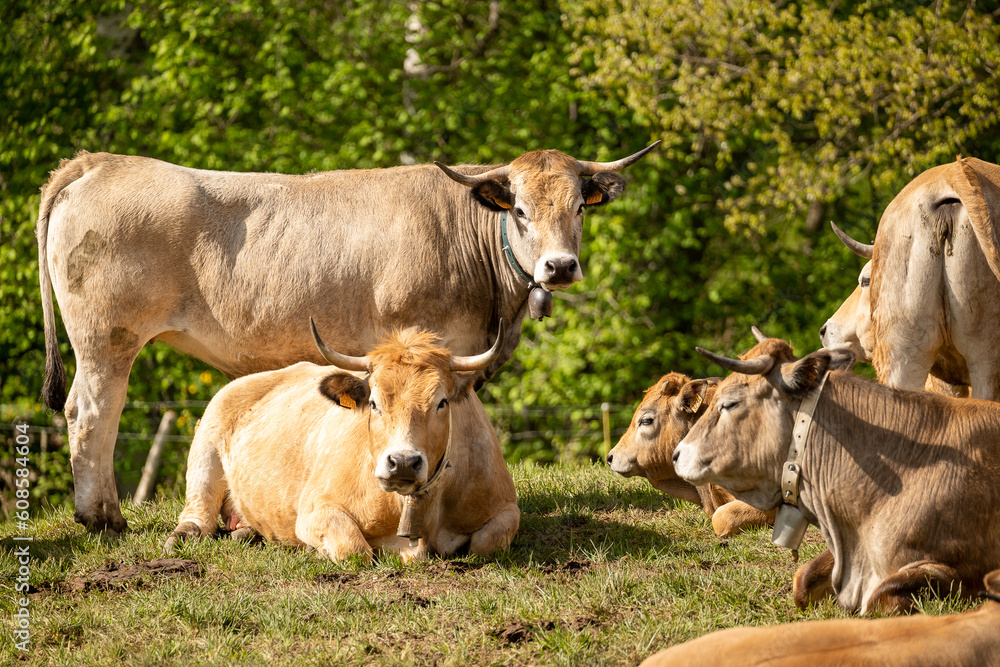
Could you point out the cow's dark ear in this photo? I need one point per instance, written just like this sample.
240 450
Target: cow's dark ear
493 195
693 396
345 390
799 377
463 385
602 188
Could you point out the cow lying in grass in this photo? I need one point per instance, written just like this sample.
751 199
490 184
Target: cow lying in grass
903 485
664 417
968 639
311 455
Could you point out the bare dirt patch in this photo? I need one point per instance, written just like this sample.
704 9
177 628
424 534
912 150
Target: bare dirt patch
114 574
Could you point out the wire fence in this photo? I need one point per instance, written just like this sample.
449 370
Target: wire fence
576 420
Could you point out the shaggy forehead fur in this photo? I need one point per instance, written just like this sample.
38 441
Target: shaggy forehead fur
552 172
410 366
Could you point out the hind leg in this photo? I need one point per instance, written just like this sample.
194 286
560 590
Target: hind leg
93 408
733 517
205 494
895 594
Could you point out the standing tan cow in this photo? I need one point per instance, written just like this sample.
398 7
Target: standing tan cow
663 418
935 293
310 455
227 266
962 640
851 327
903 485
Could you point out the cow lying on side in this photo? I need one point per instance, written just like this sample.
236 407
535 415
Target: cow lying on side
903 485
311 455
664 417
968 639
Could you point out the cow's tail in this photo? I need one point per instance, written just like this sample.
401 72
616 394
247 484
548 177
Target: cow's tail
54 388
978 188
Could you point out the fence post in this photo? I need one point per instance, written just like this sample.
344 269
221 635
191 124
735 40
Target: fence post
606 422
152 467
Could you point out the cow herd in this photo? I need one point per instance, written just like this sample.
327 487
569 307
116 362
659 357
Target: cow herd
391 450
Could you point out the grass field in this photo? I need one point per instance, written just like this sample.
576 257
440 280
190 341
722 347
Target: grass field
603 571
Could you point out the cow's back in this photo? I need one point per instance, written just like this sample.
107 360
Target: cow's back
230 266
959 640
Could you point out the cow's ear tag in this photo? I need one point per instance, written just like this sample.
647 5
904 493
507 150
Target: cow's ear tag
693 408
347 402
595 197
501 203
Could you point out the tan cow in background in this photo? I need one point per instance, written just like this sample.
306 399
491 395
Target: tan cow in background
935 292
971 639
902 484
851 327
311 455
663 418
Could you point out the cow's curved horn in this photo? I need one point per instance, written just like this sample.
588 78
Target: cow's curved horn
755 366
860 249
591 168
758 335
339 360
480 361
498 174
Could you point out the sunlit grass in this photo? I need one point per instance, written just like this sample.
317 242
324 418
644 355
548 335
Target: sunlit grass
604 571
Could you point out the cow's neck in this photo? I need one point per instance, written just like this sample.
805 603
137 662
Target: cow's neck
509 291
865 444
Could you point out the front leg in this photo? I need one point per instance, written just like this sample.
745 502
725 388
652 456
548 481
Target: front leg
812 581
733 517
895 594
497 533
333 532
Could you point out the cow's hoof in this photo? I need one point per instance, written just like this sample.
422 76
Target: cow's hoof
182 533
107 524
243 534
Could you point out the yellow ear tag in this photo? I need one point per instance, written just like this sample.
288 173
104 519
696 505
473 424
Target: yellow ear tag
694 408
347 402
595 198
501 204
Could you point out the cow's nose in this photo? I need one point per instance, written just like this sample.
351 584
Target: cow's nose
822 332
677 455
559 270
403 465
610 458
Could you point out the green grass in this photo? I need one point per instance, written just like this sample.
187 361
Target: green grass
603 571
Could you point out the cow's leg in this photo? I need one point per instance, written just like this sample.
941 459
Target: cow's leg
733 517
497 533
896 592
812 581
93 408
205 494
333 532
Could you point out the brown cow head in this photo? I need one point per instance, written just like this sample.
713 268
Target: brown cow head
411 384
544 193
666 414
742 440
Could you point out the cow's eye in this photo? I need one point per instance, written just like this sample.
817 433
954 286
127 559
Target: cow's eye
519 212
646 421
728 405
444 402
579 211
371 404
